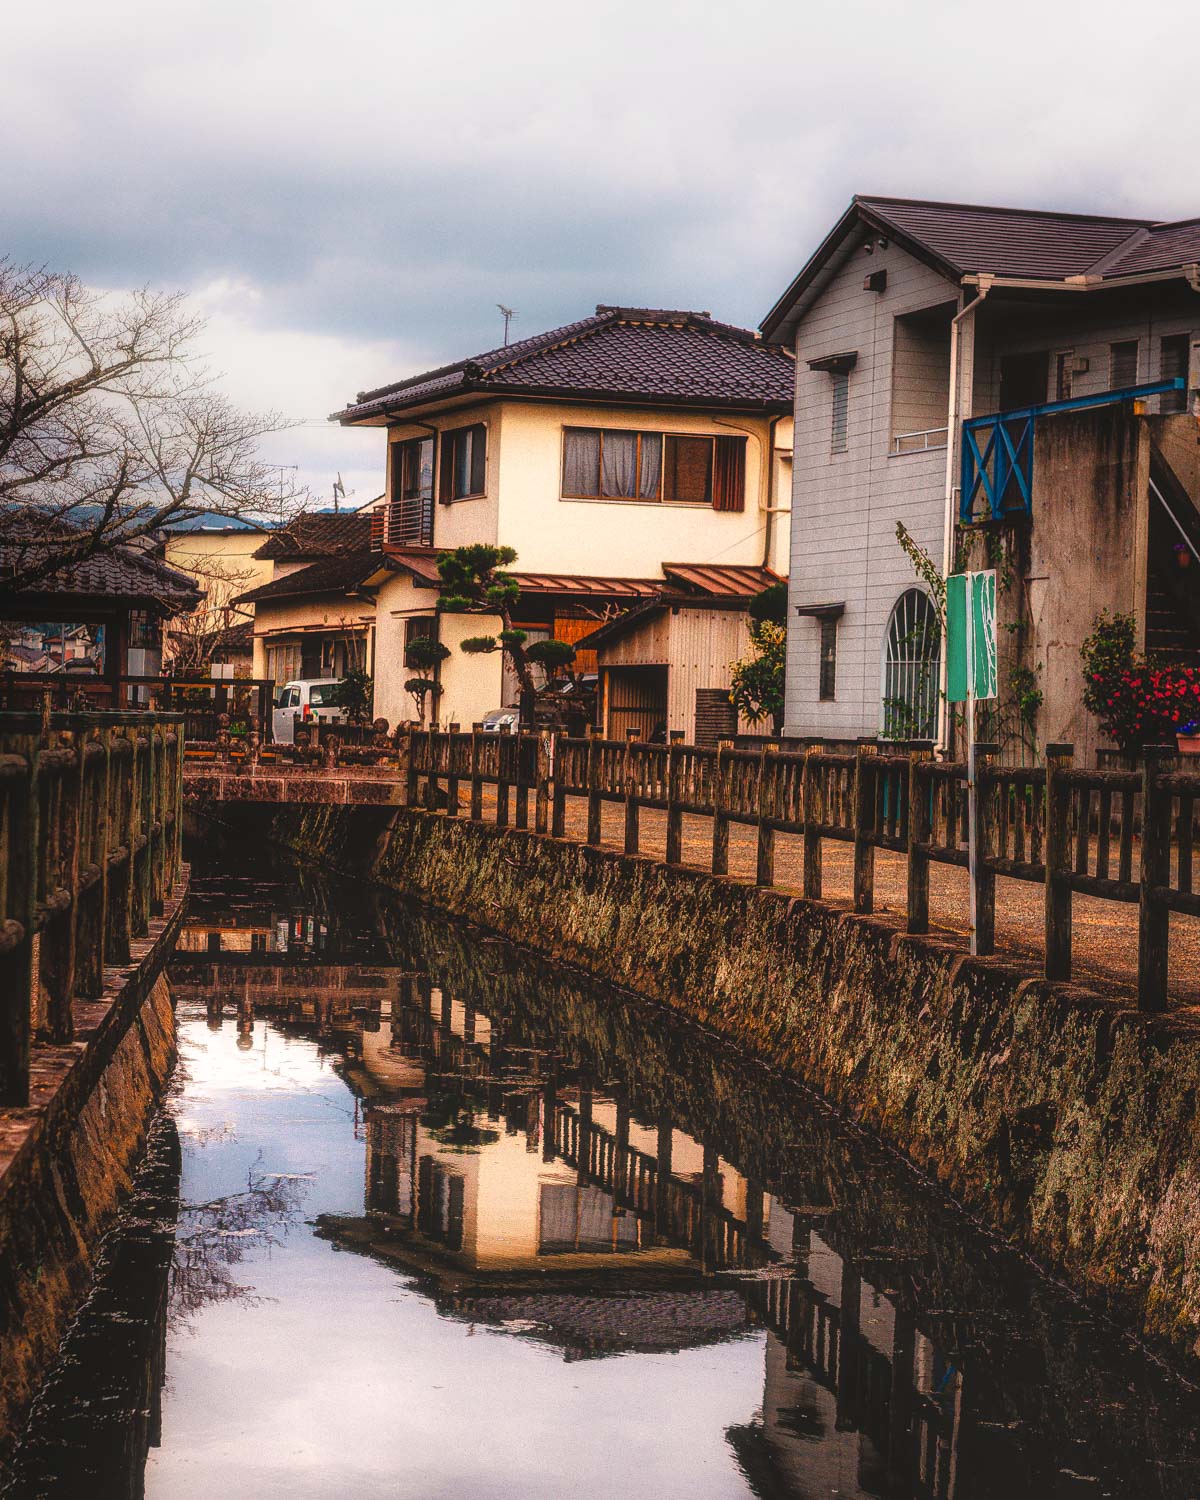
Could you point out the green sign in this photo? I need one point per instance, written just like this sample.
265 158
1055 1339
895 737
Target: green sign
971 636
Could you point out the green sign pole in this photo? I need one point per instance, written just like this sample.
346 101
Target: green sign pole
971 674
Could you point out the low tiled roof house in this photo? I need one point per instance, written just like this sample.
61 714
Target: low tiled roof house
598 451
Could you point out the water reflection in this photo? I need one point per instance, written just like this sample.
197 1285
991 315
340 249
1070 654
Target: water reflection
399 1137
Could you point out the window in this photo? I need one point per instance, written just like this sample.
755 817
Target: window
417 628
1173 365
920 379
283 662
464 463
912 659
616 464
1122 365
325 697
840 384
828 658
410 509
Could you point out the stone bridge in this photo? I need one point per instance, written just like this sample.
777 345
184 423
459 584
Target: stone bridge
364 786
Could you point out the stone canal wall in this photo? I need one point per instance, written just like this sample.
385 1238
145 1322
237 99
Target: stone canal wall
68 1160
1063 1119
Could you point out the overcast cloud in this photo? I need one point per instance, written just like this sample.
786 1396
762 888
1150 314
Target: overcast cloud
348 190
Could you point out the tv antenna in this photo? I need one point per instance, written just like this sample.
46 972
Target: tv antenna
509 315
338 489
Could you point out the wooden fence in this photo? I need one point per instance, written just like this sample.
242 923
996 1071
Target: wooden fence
1121 835
90 832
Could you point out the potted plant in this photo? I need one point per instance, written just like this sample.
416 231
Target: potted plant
1187 737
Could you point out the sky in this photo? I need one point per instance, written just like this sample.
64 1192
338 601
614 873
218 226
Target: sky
347 191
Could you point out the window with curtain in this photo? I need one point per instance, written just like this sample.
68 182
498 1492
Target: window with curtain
464 463
676 469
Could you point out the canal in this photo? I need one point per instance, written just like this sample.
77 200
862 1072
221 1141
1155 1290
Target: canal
423 1217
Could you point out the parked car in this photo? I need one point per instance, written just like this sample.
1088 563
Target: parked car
308 698
501 721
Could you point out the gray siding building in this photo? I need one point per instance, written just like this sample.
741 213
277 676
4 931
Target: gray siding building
909 319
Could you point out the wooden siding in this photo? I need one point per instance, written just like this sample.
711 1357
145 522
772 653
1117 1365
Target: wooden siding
845 506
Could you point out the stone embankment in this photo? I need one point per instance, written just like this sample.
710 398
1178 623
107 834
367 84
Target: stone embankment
1065 1120
68 1159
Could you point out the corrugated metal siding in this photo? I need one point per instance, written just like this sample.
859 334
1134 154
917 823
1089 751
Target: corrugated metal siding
704 643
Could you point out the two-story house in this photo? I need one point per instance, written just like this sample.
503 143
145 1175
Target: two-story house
1015 387
631 448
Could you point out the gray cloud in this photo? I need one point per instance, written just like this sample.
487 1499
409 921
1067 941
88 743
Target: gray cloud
380 175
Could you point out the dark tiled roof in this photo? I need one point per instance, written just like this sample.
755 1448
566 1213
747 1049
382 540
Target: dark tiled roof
963 239
330 575
120 572
641 354
318 535
1005 241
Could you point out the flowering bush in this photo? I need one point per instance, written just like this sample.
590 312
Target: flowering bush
1137 702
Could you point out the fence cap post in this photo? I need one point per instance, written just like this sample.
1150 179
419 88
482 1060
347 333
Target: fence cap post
1060 750
675 737
632 734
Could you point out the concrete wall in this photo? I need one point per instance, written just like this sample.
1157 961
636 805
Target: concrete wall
471 685
845 505
67 1162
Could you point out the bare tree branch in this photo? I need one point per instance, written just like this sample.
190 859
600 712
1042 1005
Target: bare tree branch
111 428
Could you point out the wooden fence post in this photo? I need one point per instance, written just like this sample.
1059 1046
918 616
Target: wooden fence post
864 826
431 780
764 873
409 758
1057 855
525 742
503 769
476 778
593 784
720 830
564 755
918 834
813 811
545 758
631 792
1154 917
451 778
985 875
19 846
674 852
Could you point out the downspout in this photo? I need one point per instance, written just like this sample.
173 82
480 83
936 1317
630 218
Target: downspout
768 452
948 519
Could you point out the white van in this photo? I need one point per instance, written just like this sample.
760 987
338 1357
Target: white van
311 698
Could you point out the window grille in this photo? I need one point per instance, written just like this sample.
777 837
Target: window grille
912 659
828 682
841 410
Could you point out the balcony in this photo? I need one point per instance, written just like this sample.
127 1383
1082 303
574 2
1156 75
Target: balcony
407 522
997 453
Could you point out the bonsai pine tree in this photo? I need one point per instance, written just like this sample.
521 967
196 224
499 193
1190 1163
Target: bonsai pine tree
474 582
425 655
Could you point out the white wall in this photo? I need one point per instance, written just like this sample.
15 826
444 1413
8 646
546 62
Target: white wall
624 538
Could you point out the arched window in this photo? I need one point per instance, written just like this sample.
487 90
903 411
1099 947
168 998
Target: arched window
912 656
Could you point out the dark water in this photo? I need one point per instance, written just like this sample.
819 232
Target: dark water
424 1218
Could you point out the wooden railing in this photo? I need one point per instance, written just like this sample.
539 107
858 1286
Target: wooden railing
1124 836
90 831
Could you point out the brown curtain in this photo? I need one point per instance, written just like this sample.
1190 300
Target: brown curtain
729 477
